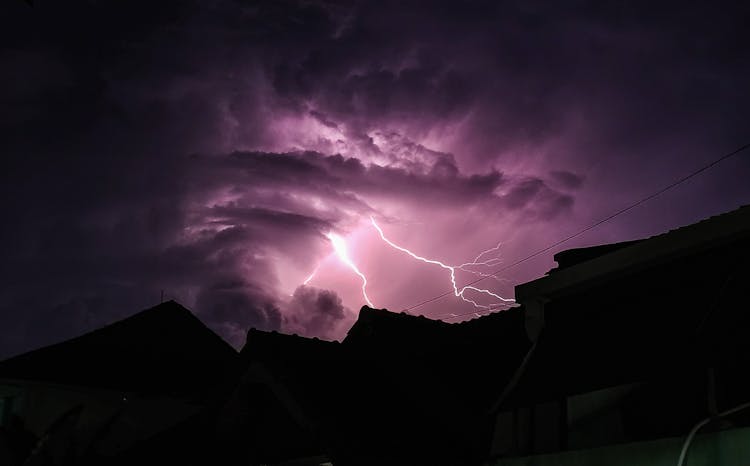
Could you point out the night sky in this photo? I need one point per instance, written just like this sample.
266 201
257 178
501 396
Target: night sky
213 149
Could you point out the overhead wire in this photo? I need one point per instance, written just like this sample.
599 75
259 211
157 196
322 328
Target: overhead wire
590 227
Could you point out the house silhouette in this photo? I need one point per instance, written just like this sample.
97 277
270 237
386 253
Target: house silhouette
610 358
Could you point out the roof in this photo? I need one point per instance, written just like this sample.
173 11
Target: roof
631 257
664 307
458 366
261 345
571 257
164 350
386 332
346 402
436 379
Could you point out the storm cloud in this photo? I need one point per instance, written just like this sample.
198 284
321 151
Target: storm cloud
205 150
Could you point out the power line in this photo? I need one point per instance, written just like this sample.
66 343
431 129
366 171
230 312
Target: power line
590 227
478 313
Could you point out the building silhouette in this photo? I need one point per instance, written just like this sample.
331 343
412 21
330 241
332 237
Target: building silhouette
610 358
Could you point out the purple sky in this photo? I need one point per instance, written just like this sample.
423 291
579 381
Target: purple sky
209 148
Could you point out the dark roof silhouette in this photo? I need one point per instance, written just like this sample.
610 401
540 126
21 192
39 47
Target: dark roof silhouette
664 308
571 257
406 389
407 386
163 350
261 345
459 366
630 257
351 406
385 332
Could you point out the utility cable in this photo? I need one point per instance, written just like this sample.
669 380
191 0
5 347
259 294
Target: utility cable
592 226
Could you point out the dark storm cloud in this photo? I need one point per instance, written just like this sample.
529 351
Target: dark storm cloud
153 146
538 199
566 179
426 86
315 313
212 241
233 306
525 73
323 119
328 176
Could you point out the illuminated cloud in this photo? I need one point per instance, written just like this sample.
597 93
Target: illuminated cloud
207 149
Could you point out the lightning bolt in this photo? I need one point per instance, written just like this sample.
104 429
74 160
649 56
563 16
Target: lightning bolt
312 275
339 246
459 293
491 262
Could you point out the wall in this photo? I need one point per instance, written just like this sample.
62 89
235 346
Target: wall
726 448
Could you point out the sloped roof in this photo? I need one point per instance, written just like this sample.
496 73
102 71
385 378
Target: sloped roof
386 332
398 382
351 404
459 366
262 346
163 350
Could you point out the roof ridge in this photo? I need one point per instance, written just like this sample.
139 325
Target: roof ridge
172 306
